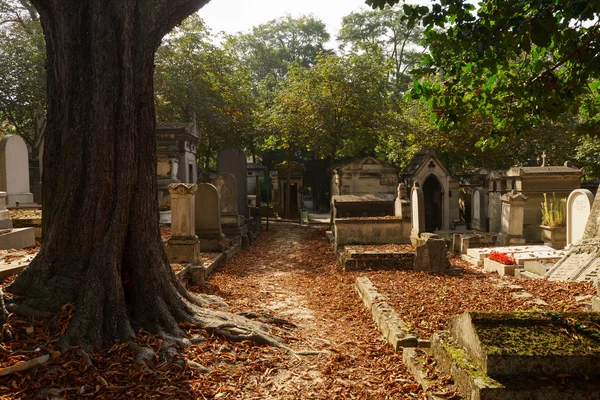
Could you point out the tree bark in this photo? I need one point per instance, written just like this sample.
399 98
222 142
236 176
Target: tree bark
101 247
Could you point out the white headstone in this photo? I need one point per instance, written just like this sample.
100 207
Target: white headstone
579 206
14 170
414 201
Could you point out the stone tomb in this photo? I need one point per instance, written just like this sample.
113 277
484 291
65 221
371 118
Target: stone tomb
513 212
14 170
208 219
233 161
541 253
486 362
579 205
231 222
10 238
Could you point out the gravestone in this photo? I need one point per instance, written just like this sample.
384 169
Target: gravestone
418 213
511 225
582 263
579 205
478 209
183 246
208 219
233 161
231 222
14 170
402 203
226 186
431 256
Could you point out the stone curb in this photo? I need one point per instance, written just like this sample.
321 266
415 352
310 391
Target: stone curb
388 321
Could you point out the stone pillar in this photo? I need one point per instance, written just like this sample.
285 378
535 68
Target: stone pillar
513 212
183 246
418 213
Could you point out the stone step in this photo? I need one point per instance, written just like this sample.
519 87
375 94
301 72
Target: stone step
522 274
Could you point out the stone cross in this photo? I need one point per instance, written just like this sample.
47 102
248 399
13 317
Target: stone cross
543 158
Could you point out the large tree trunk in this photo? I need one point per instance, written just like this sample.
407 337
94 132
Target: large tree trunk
101 247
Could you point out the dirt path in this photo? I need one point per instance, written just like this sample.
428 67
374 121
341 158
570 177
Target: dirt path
291 273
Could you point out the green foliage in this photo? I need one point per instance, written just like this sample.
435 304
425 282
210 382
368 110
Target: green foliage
334 109
519 62
388 29
22 74
271 47
197 80
554 211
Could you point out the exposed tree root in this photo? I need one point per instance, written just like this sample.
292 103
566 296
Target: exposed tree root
268 318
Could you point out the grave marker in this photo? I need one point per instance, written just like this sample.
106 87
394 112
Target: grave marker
233 160
579 206
14 170
478 209
208 219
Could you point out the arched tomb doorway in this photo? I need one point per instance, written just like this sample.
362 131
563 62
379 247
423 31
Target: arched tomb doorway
434 203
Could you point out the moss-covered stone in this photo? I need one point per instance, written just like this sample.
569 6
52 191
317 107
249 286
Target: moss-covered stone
538 333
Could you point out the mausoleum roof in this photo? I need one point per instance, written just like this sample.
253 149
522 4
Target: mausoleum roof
188 128
419 160
544 171
356 163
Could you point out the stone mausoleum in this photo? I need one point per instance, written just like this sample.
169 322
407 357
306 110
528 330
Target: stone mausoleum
440 189
176 155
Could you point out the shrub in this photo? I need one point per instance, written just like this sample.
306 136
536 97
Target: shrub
554 211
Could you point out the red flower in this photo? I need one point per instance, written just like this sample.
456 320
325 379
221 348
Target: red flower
504 258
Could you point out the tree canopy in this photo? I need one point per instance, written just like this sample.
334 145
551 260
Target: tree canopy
519 62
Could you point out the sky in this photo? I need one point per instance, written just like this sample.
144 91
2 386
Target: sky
234 16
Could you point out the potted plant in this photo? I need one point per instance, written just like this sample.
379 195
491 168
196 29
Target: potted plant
164 210
554 219
502 263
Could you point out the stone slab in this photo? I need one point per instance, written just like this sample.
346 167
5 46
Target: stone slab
483 252
352 260
570 265
12 268
501 269
388 322
17 238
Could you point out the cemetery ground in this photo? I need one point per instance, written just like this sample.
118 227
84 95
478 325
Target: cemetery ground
291 279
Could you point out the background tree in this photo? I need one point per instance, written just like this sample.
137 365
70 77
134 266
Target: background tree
22 75
390 31
198 80
271 47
